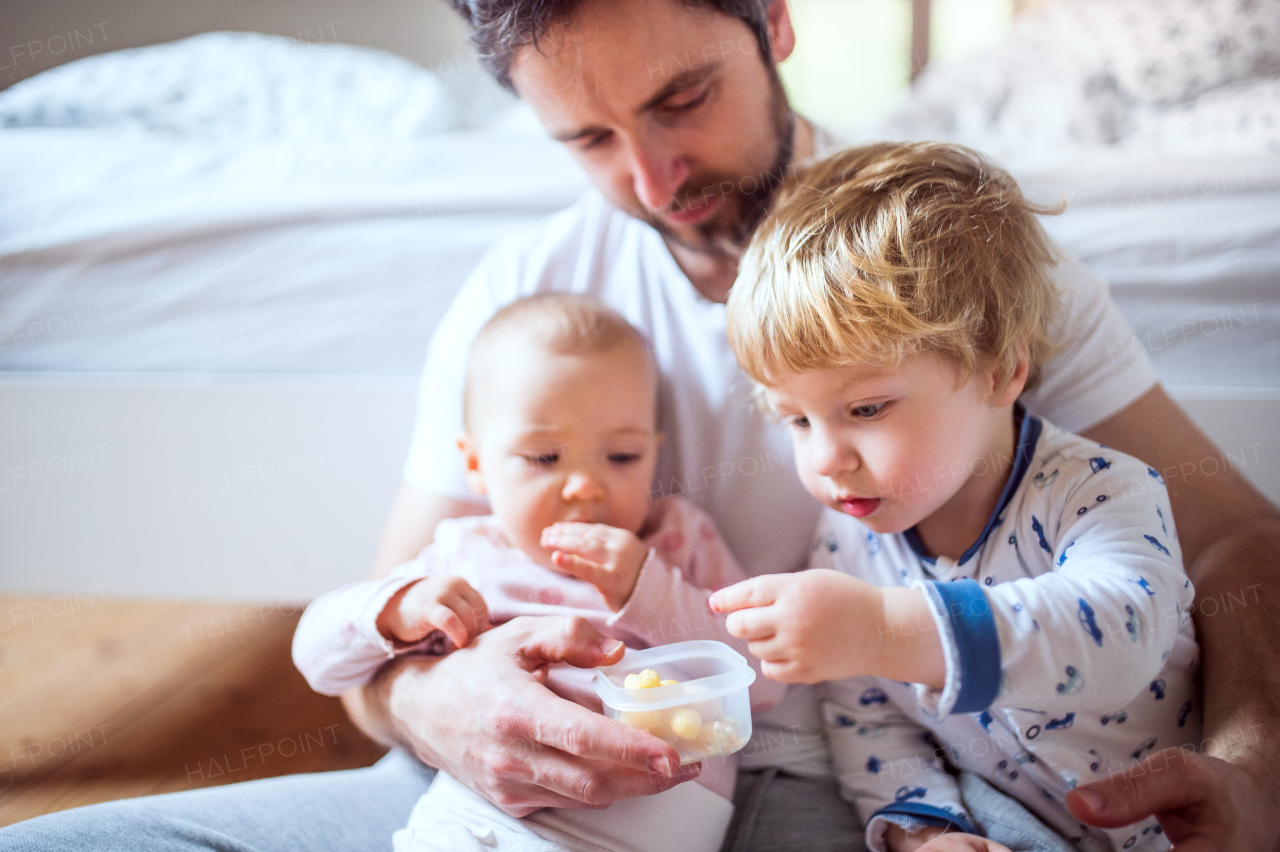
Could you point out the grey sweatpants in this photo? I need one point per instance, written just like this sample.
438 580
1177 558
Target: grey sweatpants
359 809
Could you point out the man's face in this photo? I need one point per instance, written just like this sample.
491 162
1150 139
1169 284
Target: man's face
672 111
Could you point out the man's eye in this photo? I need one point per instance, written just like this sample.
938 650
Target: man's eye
624 458
866 412
686 101
542 459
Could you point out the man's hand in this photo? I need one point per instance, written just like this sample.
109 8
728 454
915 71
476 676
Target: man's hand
1203 804
606 557
484 715
823 625
449 604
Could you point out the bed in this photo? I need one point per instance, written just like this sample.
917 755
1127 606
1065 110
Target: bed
221 260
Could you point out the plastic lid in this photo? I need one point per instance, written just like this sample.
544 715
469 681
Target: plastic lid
737 674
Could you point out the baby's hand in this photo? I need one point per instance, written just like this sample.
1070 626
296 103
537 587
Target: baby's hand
448 604
606 557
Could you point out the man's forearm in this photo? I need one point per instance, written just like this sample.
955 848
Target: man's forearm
1237 611
369 706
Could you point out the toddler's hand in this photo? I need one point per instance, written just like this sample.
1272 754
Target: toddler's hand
606 557
824 625
949 842
448 604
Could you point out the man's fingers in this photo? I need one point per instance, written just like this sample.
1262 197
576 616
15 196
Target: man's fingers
758 591
579 732
1130 796
564 781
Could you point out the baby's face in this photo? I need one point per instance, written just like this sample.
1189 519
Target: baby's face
891 446
564 438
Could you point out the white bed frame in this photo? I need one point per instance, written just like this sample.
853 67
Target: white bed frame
275 488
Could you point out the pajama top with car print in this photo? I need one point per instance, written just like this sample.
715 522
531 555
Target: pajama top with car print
1068 641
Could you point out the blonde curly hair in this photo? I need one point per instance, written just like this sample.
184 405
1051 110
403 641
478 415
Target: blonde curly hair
886 250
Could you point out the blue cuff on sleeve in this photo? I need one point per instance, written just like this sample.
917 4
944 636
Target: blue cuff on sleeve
913 815
974 628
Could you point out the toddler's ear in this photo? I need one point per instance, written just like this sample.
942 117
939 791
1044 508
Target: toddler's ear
1016 381
471 462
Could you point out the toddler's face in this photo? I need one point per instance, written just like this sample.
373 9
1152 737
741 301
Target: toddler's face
890 446
564 438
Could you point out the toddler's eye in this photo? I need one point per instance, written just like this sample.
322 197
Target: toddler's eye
866 412
798 422
624 458
542 459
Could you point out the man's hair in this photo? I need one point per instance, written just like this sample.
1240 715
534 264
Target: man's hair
500 28
883 251
560 323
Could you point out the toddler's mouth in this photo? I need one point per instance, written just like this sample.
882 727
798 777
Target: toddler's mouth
859 507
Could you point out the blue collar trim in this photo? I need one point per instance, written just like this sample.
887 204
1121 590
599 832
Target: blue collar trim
1028 438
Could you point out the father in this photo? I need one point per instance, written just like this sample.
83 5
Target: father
675 110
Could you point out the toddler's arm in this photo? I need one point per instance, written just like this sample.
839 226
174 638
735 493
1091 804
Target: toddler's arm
1093 633
889 766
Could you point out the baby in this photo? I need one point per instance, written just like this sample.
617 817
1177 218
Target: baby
560 410
1001 595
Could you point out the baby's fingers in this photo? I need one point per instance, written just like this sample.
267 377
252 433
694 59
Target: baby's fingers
576 566
478 611
576 538
445 619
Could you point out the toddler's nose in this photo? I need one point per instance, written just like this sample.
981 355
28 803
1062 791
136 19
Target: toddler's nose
830 457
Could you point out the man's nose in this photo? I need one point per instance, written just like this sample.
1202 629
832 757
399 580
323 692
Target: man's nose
658 172
582 485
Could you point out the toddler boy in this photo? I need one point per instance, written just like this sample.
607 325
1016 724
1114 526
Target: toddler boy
992 592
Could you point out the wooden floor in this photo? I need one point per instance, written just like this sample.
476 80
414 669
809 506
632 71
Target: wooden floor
104 699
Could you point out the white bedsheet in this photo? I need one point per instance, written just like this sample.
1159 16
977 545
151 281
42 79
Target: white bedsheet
1191 248
129 251
123 252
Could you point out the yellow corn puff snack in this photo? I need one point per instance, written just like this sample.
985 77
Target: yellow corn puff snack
686 724
647 679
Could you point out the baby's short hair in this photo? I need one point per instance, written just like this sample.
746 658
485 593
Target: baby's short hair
562 323
886 250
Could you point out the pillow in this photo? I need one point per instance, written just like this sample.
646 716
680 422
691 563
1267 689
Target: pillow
1243 118
1082 72
237 85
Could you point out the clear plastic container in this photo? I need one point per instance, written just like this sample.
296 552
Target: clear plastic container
706 714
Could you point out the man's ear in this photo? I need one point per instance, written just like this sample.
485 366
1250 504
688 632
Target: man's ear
782 37
1012 389
471 462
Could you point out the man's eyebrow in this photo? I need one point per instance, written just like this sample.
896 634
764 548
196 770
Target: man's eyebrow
676 84
681 82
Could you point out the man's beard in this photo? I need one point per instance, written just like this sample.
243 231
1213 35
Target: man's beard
748 200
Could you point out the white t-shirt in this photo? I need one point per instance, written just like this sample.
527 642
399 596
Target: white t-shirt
720 451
